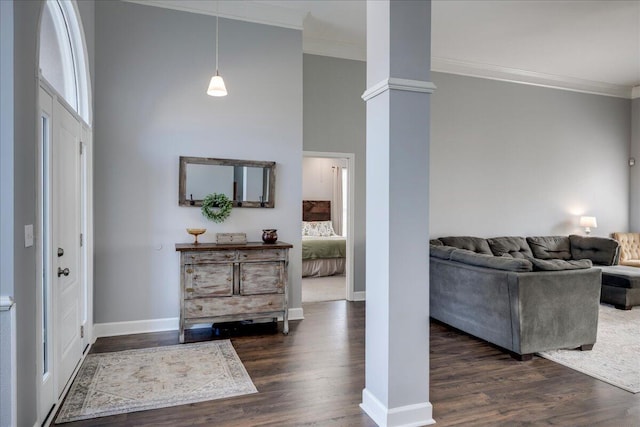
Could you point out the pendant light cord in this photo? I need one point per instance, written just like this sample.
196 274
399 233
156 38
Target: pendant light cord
217 37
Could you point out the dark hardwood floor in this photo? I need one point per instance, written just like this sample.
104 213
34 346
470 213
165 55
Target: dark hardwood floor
315 375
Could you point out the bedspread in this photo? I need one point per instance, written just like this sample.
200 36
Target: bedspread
323 247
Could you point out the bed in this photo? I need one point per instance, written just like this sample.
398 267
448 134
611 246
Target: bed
323 252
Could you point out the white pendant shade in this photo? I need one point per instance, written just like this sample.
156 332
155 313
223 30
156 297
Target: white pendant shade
217 87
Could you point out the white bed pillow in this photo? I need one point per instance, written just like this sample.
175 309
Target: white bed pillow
317 228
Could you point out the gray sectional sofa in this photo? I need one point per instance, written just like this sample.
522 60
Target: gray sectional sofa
522 294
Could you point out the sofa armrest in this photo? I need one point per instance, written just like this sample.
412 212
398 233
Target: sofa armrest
555 309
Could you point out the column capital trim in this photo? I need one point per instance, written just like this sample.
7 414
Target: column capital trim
6 302
393 83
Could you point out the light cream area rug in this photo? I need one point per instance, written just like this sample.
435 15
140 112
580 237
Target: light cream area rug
136 380
615 357
329 288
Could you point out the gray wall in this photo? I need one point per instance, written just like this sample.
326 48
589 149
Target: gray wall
7 396
512 159
634 194
26 15
87 12
334 121
153 66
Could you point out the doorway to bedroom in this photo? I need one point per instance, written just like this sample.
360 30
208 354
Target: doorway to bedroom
327 224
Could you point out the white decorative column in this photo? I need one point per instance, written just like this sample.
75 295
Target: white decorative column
397 326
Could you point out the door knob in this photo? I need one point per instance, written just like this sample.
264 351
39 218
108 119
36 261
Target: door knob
60 252
62 272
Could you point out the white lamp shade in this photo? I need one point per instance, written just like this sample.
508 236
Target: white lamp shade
588 221
217 87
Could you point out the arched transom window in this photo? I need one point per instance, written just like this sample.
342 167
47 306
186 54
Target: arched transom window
63 57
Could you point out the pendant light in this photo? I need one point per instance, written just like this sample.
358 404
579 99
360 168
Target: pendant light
216 85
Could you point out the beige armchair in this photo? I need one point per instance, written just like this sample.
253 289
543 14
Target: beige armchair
629 248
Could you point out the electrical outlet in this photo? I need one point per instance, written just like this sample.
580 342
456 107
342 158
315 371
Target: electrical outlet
28 236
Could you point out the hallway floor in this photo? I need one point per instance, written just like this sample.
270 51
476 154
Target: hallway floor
315 376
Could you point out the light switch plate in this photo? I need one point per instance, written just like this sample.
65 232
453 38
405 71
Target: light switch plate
28 235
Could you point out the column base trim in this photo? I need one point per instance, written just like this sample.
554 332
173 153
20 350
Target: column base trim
398 84
420 414
296 313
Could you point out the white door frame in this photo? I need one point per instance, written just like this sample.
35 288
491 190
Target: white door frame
350 157
75 30
86 251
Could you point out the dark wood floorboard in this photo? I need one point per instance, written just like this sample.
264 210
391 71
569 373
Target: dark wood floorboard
315 375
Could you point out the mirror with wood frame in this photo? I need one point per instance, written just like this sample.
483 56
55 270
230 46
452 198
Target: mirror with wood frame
248 183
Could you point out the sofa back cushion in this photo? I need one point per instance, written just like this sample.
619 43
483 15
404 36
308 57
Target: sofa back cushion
514 247
600 250
490 261
474 244
436 242
550 247
629 246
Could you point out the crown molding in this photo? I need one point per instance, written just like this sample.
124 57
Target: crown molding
514 75
635 93
261 13
333 48
240 10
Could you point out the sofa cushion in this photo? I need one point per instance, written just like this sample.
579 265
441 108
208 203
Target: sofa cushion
550 247
600 250
474 244
490 261
559 264
442 252
515 247
621 276
436 242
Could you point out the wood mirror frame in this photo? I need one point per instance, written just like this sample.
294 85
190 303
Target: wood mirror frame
269 172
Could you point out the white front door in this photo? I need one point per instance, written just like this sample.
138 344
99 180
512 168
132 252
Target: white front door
66 243
63 294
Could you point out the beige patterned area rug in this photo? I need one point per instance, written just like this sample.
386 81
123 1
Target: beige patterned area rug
614 358
136 380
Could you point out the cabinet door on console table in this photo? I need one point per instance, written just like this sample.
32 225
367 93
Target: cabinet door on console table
222 283
262 278
204 280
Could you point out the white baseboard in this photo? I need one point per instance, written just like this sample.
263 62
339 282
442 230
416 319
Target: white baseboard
157 325
135 327
296 314
417 415
359 296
